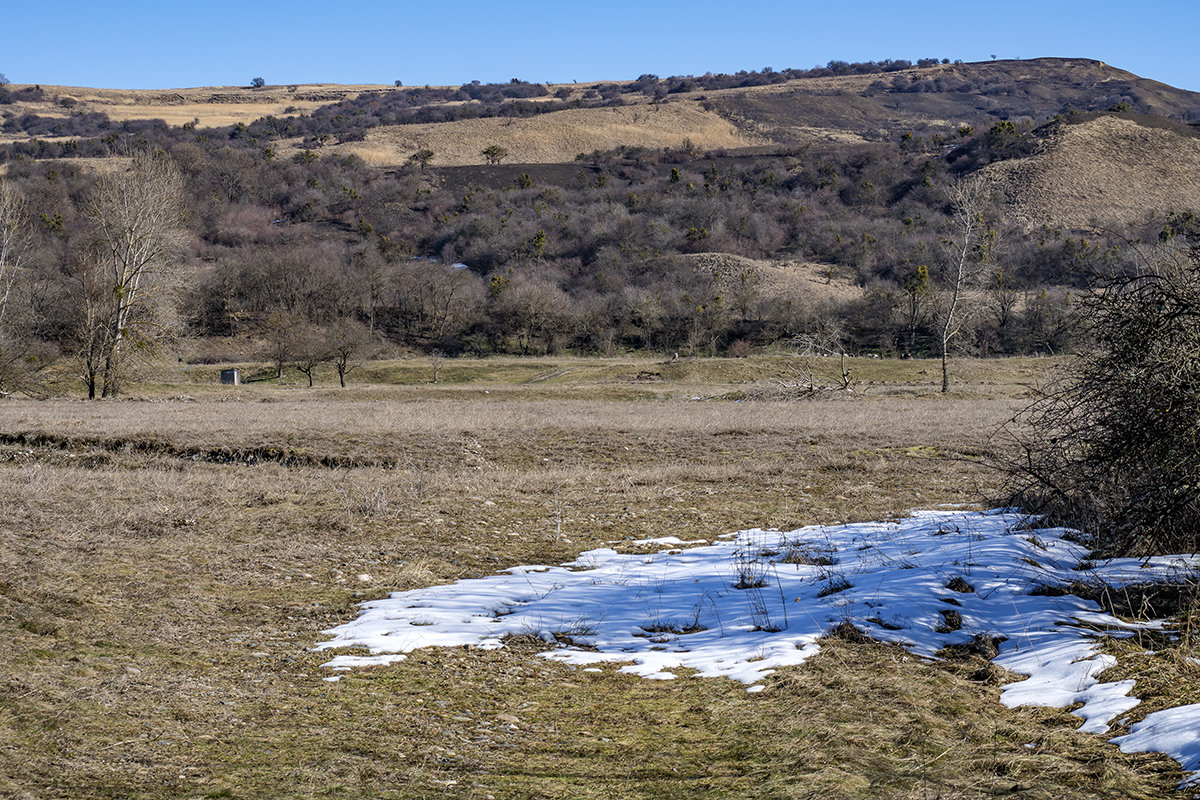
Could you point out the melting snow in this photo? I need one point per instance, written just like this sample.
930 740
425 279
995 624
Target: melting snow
757 600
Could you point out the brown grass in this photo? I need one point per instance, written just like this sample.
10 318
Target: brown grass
157 613
1103 172
784 278
552 138
96 166
212 105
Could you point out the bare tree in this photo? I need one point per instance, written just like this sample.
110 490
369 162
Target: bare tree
349 342
537 311
279 332
13 241
94 332
127 274
1109 447
310 349
969 260
1003 295
428 304
436 358
22 356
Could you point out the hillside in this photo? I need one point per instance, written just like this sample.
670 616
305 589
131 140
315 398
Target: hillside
1103 172
552 138
692 214
207 107
841 103
940 98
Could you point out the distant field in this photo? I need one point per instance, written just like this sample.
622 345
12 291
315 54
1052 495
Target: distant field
211 106
555 137
159 606
619 378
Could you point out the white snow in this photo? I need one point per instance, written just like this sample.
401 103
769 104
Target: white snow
1173 731
757 600
675 540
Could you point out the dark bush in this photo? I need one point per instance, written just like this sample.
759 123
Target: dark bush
1111 448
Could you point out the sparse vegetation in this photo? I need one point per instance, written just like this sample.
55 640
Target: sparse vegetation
164 648
197 677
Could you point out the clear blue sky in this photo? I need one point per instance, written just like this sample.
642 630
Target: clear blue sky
143 45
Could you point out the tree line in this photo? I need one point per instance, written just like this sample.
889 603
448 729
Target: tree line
291 260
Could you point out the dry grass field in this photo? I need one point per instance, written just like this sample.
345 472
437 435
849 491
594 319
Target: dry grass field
210 106
159 601
552 138
777 278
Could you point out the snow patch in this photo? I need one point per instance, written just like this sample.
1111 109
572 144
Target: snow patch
757 600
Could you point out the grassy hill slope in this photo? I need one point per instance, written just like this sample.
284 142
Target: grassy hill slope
824 105
1103 171
553 138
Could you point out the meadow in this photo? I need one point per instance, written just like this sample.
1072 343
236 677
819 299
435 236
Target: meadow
169 560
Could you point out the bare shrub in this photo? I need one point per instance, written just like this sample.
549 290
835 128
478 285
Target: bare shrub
364 500
1110 448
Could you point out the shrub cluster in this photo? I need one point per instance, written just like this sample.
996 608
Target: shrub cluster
598 257
1111 448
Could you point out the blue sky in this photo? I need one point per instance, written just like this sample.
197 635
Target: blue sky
142 45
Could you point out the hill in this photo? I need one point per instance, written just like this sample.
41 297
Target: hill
692 214
942 97
840 103
206 107
553 138
1103 171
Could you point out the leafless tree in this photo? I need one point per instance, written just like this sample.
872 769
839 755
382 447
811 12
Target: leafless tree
349 343
127 273
429 303
21 355
310 349
536 311
13 241
967 265
1109 447
279 332
436 358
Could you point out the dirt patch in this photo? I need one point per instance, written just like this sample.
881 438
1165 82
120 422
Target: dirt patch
784 278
